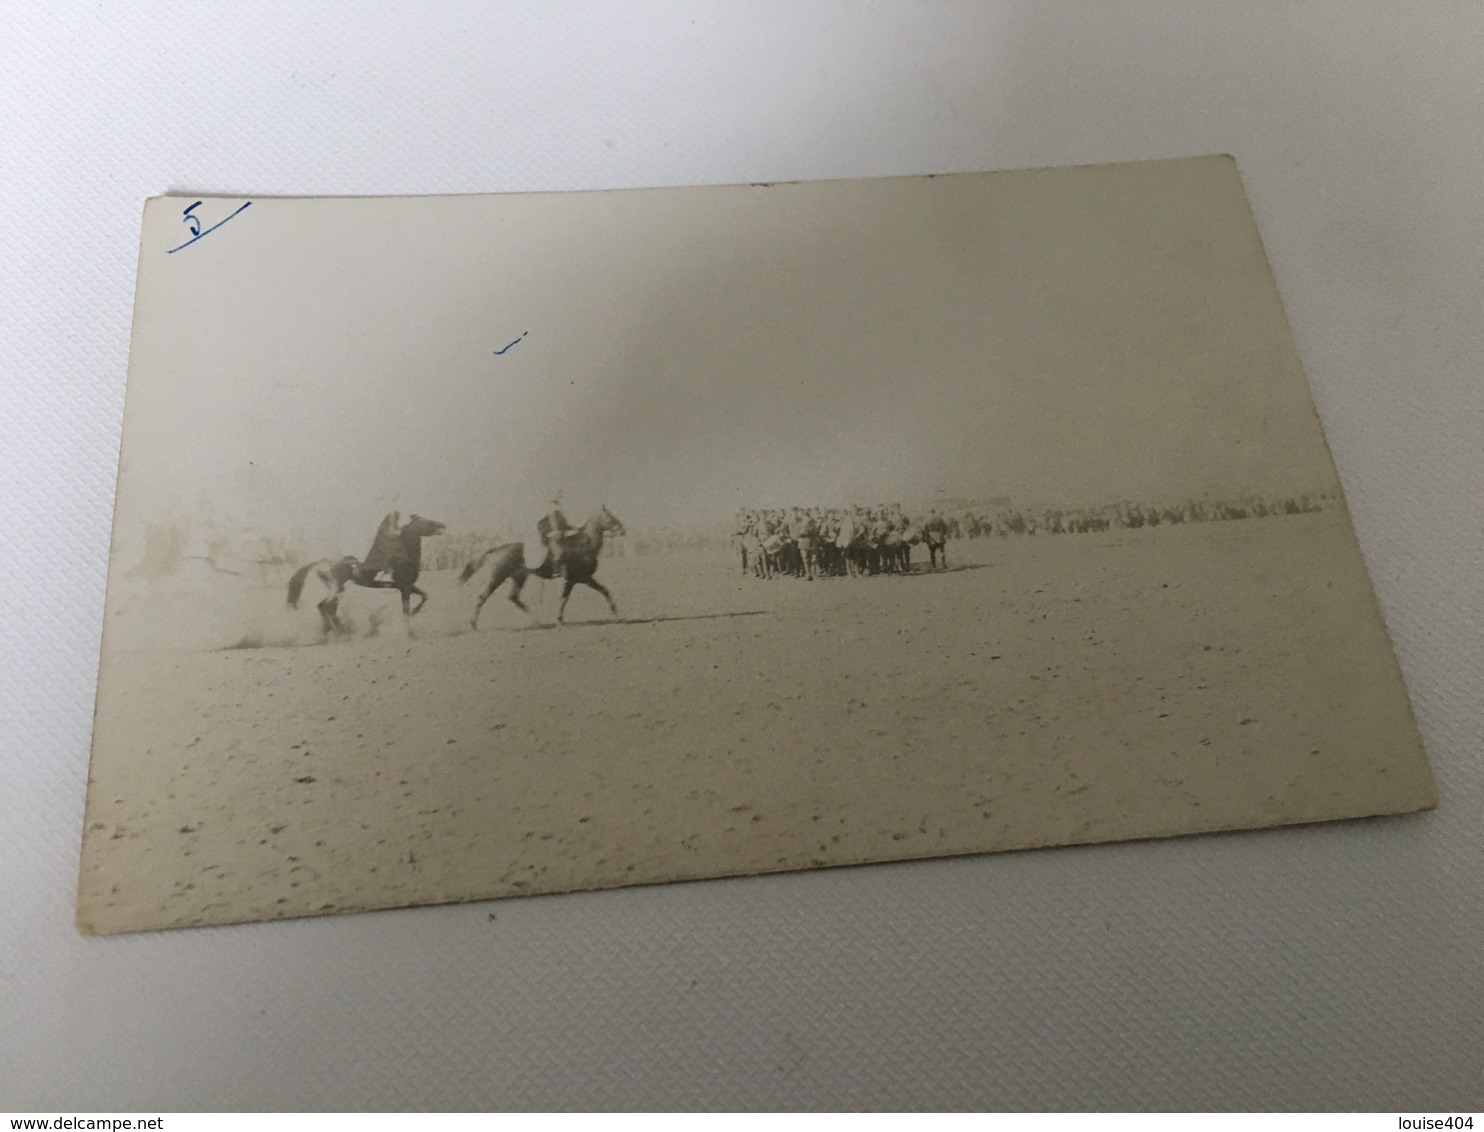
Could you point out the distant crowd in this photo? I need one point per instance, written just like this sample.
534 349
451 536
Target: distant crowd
810 541
880 539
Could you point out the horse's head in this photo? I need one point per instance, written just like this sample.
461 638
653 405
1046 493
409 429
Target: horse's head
419 527
608 522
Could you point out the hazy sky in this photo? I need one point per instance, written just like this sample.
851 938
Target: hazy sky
1071 336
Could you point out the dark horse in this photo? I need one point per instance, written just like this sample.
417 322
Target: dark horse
580 550
397 550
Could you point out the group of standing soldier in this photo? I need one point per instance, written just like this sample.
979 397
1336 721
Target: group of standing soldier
806 541
854 540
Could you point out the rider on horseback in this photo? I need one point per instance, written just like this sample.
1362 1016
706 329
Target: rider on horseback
383 549
553 528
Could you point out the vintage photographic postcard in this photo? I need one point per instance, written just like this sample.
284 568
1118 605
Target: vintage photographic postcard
479 546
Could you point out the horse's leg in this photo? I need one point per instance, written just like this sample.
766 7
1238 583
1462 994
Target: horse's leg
597 585
405 592
484 597
423 600
329 610
567 585
518 581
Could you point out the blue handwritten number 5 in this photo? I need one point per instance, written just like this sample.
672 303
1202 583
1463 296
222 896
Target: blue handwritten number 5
194 222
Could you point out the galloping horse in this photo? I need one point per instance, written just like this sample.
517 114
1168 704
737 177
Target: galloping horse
398 550
580 551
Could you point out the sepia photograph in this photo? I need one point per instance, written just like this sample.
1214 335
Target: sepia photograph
490 546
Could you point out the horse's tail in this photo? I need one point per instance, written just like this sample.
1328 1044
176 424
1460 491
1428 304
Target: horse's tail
296 583
476 564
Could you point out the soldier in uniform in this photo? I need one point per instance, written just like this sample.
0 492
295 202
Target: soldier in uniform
383 549
742 533
553 529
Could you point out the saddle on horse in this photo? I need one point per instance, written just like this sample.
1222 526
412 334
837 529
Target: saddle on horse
383 549
556 536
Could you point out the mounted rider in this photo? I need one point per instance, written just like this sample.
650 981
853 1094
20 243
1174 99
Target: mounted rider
383 549
553 529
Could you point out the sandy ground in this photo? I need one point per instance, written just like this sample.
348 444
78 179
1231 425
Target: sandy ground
1045 690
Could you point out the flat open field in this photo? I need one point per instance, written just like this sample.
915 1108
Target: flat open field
1045 690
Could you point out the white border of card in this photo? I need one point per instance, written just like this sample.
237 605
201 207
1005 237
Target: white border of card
822 524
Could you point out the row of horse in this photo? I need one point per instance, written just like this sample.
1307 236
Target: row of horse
395 562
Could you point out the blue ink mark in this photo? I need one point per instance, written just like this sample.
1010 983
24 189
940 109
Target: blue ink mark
195 225
523 334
